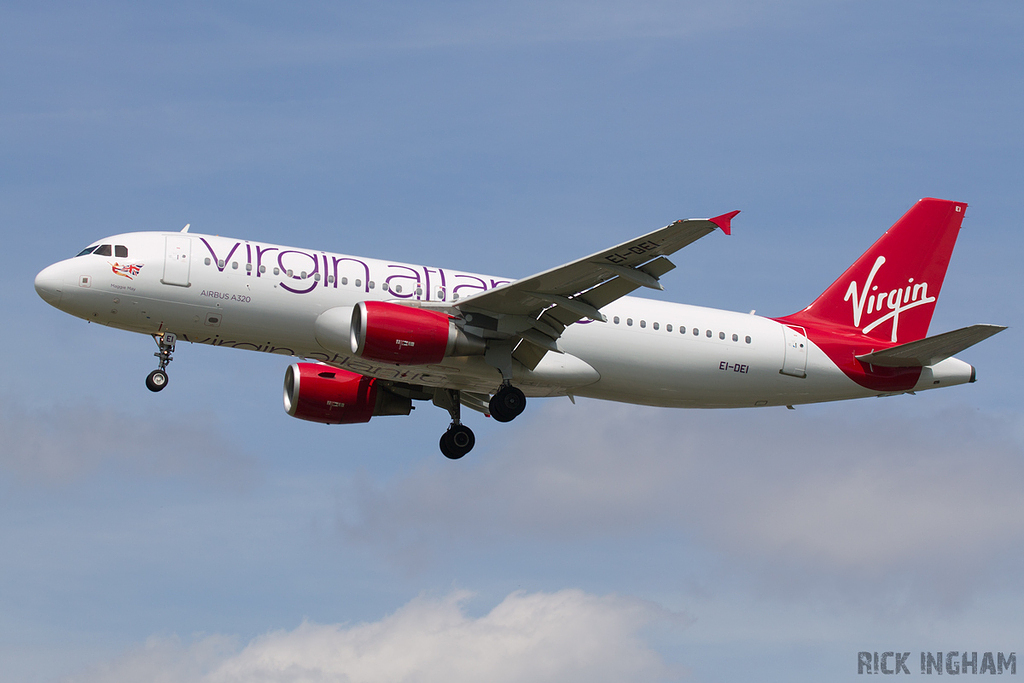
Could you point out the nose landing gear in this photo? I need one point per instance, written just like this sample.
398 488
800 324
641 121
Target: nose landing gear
157 379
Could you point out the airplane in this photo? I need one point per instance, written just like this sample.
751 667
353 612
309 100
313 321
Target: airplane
374 336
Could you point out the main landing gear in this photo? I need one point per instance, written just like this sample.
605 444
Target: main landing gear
508 403
458 439
157 379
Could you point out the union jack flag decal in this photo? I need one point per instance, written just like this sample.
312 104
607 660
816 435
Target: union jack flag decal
129 270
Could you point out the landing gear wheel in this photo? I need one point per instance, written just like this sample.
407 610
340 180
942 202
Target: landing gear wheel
157 380
457 441
507 404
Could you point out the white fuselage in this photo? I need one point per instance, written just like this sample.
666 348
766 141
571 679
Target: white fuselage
261 297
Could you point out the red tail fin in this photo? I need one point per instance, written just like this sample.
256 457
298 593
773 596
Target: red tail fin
889 294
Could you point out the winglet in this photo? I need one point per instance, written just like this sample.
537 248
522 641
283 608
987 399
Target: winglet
724 221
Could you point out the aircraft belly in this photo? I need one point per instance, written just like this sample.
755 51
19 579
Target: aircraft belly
682 370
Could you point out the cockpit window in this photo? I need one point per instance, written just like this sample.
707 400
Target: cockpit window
87 250
120 251
103 250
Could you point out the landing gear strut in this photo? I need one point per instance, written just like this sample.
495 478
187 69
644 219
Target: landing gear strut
458 439
157 379
508 403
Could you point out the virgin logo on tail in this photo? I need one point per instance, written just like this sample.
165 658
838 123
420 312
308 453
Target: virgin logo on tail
895 301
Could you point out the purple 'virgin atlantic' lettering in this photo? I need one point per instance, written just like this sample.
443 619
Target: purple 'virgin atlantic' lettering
260 251
297 275
478 284
220 263
415 281
366 270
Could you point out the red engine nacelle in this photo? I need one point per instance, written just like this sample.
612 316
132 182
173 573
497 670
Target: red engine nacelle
320 393
392 333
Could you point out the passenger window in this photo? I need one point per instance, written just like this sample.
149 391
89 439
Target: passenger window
358 283
120 251
263 269
696 332
290 273
398 289
317 277
344 280
87 250
748 340
103 250
682 329
277 271
248 267
735 337
655 326
643 323
615 320
330 279
234 265
371 284
207 260
629 321
721 335
668 328
709 334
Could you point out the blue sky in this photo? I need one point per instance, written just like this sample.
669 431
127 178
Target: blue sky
204 535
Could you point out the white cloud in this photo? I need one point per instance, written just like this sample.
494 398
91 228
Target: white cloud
564 636
862 496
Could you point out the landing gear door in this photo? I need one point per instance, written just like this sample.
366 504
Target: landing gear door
795 361
177 257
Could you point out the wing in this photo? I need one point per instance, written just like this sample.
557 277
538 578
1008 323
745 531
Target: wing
537 309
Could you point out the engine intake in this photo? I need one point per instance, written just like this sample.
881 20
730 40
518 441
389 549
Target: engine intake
321 393
392 333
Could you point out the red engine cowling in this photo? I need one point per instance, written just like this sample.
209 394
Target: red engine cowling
321 393
392 333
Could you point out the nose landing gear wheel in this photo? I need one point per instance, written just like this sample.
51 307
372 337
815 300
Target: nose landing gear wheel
457 441
157 380
507 404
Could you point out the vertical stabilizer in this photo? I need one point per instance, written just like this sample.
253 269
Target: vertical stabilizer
889 293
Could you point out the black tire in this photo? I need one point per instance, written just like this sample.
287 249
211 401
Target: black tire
457 441
156 380
508 404
444 447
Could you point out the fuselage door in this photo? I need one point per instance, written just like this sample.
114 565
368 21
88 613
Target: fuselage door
177 256
795 361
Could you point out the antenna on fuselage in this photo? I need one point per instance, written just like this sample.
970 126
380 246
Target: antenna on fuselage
185 229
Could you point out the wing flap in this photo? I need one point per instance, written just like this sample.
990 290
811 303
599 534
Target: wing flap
930 350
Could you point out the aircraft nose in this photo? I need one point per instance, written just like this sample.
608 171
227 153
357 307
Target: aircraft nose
50 283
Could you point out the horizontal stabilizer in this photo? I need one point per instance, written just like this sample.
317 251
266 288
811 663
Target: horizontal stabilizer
931 350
